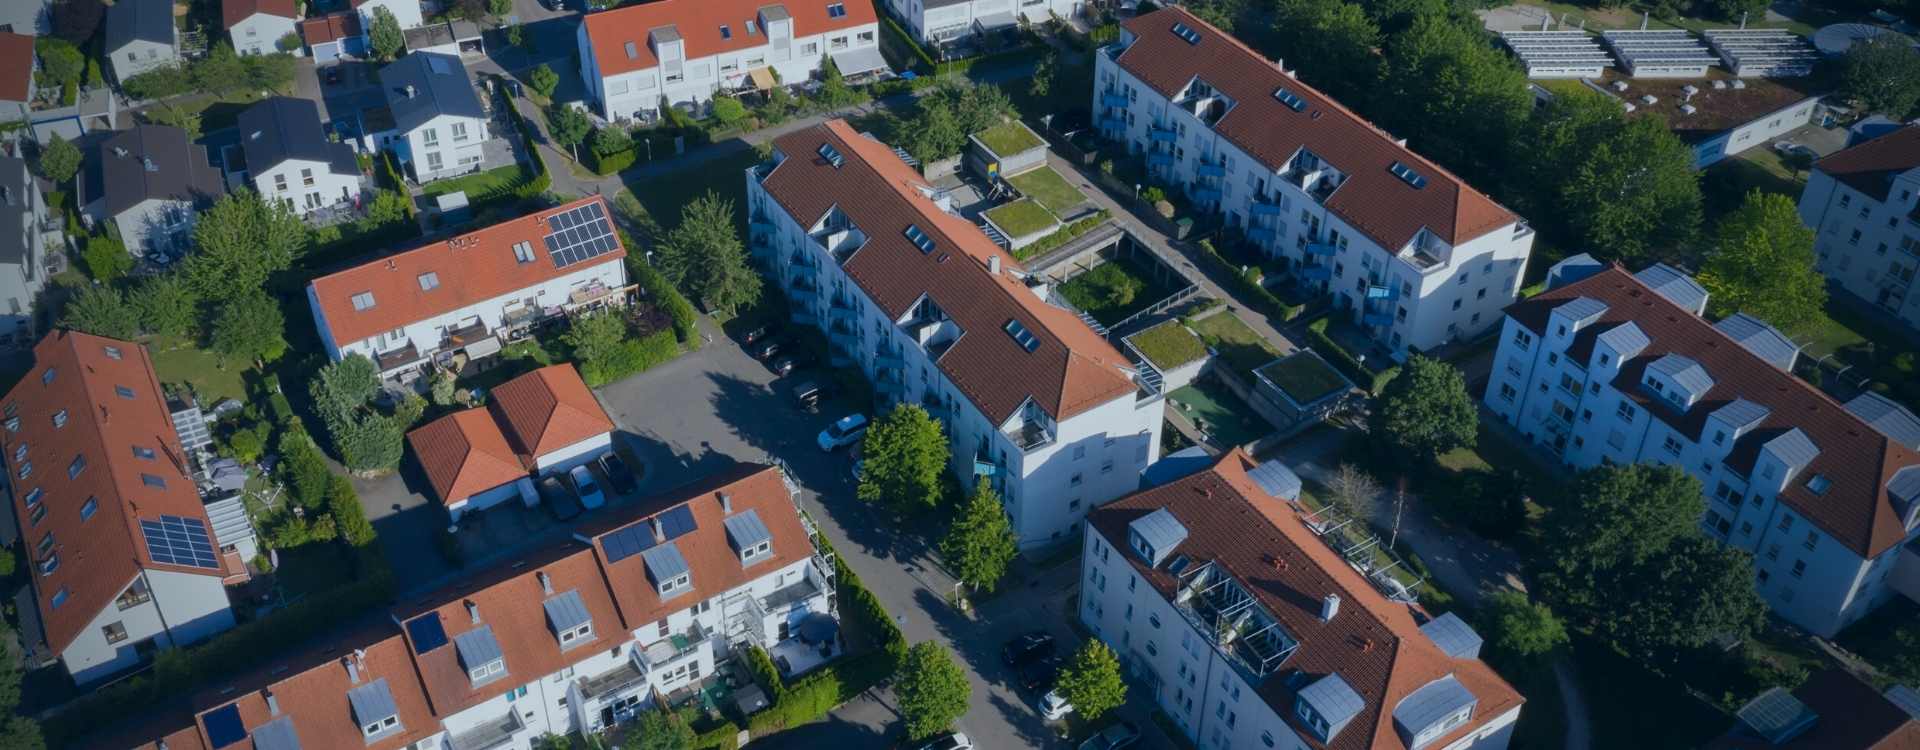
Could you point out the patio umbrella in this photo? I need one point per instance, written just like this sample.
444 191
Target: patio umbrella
819 627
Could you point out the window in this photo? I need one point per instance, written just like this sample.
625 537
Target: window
487 670
430 137
59 598
153 481
1626 412
1075 481
523 252
676 583
306 177
1522 340
1672 445
143 452
33 496
1813 539
429 281
434 163
46 378
376 728
87 508
1786 522
26 469
78 465
123 391
1773 552
280 183
363 301
45 546
1746 528
1799 568
837 10
574 636
114 632
459 131
725 33
751 30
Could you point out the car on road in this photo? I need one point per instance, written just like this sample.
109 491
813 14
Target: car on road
1038 676
617 474
808 395
1026 648
766 349
757 334
949 741
1123 734
843 433
560 502
784 366
1053 707
585 486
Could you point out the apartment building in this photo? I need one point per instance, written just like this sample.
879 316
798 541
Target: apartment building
121 559
257 26
290 159
1863 204
934 313
1250 631
23 251
1621 368
1832 710
1409 252
471 292
682 53
544 422
439 127
572 636
151 181
944 21
140 36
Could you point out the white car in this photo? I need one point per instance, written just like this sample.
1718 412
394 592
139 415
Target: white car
950 741
1053 707
586 487
843 433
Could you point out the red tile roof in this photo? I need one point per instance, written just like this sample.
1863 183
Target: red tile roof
76 379
546 410
16 55
698 22
1372 199
1871 166
464 453
235 11
1857 459
310 686
1852 716
1072 370
1374 644
472 268
330 28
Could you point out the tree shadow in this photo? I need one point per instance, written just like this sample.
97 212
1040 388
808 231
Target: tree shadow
978 647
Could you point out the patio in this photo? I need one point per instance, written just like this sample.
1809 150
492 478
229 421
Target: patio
795 656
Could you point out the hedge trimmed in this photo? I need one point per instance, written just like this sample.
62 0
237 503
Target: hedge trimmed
654 285
1345 362
1061 236
1247 287
764 672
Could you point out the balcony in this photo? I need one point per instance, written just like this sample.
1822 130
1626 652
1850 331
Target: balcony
613 681
1321 248
394 359
805 317
1210 169
889 357
1261 207
1159 160
1118 101
1030 436
1113 124
1222 610
1262 235
762 225
802 286
1162 135
497 732
1317 272
1377 318
674 647
888 382
1205 194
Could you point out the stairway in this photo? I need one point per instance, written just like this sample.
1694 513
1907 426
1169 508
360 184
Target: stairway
997 237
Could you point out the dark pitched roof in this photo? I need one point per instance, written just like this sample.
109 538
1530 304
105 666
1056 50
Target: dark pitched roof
1849 716
130 20
1858 460
281 128
147 162
425 85
235 11
1373 200
1870 167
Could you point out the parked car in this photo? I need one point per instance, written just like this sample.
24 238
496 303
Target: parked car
757 334
949 741
783 366
808 395
561 503
585 486
1037 676
766 349
1052 706
1027 647
617 473
859 464
1123 734
843 433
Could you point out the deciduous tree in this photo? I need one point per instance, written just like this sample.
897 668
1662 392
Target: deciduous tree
931 689
241 242
569 127
59 161
102 311
385 36
250 328
1458 99
60 60
1613 518
1353 492
77 20
596 336
728 110
1882 74
1521 627
1331 43
343 387
166 306
1633 194
221 71
543 80
661 730
903 454
105 258
1425 410
1762 264
704 258
1692 592
1091 680
981 542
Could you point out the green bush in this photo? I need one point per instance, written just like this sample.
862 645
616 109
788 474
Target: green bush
723 737
631 357
1247 287
654 286
1337 355
612 163
764 673
348 515
1061 236
159 83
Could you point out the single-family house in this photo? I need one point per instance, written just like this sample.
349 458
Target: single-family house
140 36
544 422
16 76
257 26
406 12
468 462
438 124
333 36
23 250
149 182
289 157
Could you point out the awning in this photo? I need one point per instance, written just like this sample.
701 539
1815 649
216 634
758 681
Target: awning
857 61
1036 14
993 21
484 347
763 78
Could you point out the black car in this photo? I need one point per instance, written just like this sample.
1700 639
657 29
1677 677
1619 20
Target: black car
618 474
1027 648
809 394
333 75
560 501
756 334
1038 676
765 349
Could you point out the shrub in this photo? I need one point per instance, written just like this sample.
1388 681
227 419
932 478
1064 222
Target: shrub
1247 286
1153 194
158 83
629 357
1341 360
654 286
1061 236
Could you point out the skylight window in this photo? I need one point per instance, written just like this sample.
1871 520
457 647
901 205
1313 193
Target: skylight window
523 252
1818 484
429 281
113 352
1187 33
1022 336
919 238
725 32
1292 100
1407 175
633 51
832 155
837 10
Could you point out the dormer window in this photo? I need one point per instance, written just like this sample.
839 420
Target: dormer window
576 635
749 536
381 727
480 654
374 709
567 616
668 569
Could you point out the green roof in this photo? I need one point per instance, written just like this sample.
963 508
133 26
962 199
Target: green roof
1048 187
1168 345
1021 218
1009 138
1304 377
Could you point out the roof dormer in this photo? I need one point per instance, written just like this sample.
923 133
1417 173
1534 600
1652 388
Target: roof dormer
1567 319
374 710
1154 535
1764 341
1678 380
480 655
752 541
668 570
1429 713
1904 489
1618 344
1727 424
1676 286
666 43
1782 458
1326 705
568 619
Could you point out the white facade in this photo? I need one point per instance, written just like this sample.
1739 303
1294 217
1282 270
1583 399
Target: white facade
157 224
690 82
445 146
260 33
1756 133
562 459
941 21
306 185
407 12
22 279
159 609
1424 294
1868 246
140 56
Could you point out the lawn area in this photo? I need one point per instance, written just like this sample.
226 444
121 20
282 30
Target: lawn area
175 362
1218 413
1724 185
1231 338
664 195
1113 290
1563 85
478 184
1168 345
1049 188
1824 335
1304 377
1009 138
312 568
1021 218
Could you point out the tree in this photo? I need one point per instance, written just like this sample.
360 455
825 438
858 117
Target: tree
221 71
981 543
1522 627
1634 192
102 311
1090 680
1331 42
543 80
1613 518
349 516
1680 599
385 37
933 133
170 114
60 160
499 8
250 328
442 388
343 387
569 127
1555 140
60 60
273 71
596 336
77 20
1425 409
241 242
611 139
1042 81
1353 492
703 256
903 454
166 306
1458 99
1762 264
105 258
728 110
931 689
1882 74
661 730
976 107
1737 10
302 469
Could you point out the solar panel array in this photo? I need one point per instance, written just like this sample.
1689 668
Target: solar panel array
177 540
1668 53
637 537
579 234
1763 52
426 632
224 727
1558 54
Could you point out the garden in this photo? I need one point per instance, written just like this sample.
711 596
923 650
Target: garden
1237 345
1168 345
1216 412
1050 189
1021 218
1116 289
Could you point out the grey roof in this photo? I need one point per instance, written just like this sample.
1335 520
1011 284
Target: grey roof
566 611
1581 308
1741 413
746 529
1160 531
664 562
282 128
129 20
15 211
1684 372
148 162
1906 698
1765 341
231 525
1793 448
1777 716
1454 636
276 735
1625 339
1175 465
664 34
1675 286
774 12
1905 483
372 702
1276 479
1573 268
1335 700
1428 705
478 647
1891 419
440 87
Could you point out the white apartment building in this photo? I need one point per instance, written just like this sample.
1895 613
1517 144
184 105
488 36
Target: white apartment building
943 21
257 26
1409 252
23 250
683 52
121 558
1863 204
471 292
140 36
439 126
1621 368
1249 631
290 159
935 314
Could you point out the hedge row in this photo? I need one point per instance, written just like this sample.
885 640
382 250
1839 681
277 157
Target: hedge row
1061 236
956 67
1248 289
538 183
1345 362
654 286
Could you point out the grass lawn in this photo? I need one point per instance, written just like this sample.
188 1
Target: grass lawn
176 362
312 568
1049 188
1724 185
665 195
478 184
1009 138
1220 414
1232 339
1563 85
1168 345
1021 218
1114 290
1304 377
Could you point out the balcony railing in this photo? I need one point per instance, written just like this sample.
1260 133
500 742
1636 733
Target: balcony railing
1030 436
612 681
1113 100
1211 169
1377 318
1262 235
1162 135
1113 124
1316 272
1205 194
494 733
1263 207
675 646
1159 160
1321 248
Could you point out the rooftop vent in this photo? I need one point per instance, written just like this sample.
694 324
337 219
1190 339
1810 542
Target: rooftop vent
146 162
473 612
255 135
546 583
726 503
1329 607
1187 33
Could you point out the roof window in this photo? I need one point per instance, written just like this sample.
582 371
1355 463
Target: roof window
832 155
919 238
429 281
837 10
725 32
1818 484
633 51
1407 175
113 352
1187 33
1292 100
1022 336
363 301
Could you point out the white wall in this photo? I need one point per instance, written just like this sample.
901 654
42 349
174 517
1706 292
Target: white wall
259 34
637 94
573 455
140 56
20 283
407 12
456 154
157 224
287 181
482 500
1759 133
1868 247
185 608
949 22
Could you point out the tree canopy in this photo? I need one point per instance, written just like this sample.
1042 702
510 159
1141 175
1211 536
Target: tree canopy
1632 194
660 730
166 306
1091 681
568 126
1882 74
1453 96
931 689
1620 515
1353 492
102 311
1331 42
60 160
250 328
703 256
241 242
1681 598
385 37
902 454
1521 627
980 544
1762 264
543 80
1425 409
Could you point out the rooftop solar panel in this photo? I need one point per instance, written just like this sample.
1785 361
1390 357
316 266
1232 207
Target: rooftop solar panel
626 542
578 234
224 727
177 540
677 521
426 632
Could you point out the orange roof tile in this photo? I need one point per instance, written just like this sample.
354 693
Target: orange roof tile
16 54
546 410
698 23
464 453
235 11
330 28
310 685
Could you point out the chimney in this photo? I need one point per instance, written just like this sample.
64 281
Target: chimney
120 151
409 91
726 503
273 704
546 583
255 136
1329 607
659 533
473 611
353 670
993 264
